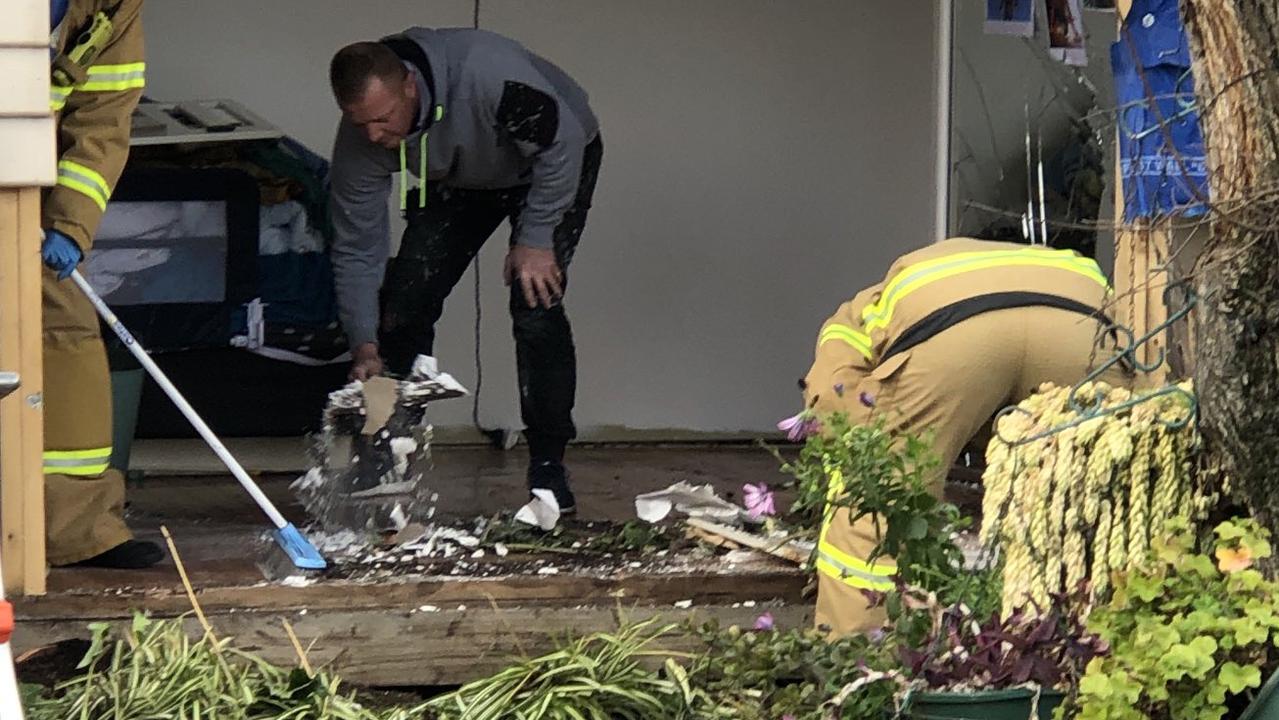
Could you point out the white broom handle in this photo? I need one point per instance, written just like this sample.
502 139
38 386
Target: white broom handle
163 381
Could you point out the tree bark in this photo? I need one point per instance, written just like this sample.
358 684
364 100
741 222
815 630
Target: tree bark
1235 47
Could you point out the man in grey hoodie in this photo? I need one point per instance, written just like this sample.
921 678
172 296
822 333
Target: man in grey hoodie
492 132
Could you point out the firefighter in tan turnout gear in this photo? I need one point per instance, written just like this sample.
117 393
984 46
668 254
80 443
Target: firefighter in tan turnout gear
954 332
97 78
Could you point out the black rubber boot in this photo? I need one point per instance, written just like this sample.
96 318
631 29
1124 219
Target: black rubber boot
128 555
550 475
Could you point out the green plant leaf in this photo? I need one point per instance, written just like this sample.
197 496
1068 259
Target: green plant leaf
1193 659
1097 684
1229 531
918 529
1238 678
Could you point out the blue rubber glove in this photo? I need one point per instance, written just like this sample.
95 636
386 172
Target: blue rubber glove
60 253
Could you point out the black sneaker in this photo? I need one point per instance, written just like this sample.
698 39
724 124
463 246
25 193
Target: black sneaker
549 475
128 555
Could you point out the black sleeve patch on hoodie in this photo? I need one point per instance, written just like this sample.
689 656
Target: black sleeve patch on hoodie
528 114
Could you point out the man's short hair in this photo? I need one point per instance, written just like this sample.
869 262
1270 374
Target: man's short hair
356 64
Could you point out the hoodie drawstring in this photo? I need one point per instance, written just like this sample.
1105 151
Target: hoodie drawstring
404 180
421 174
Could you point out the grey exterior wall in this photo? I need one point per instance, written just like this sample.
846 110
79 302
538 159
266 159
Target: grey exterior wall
763 161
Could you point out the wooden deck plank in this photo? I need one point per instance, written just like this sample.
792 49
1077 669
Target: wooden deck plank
376 632
448 647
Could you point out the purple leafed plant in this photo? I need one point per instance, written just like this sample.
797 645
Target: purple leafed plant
960 651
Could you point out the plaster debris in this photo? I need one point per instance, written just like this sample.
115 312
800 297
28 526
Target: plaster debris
542 511
692 500
297 581
684 604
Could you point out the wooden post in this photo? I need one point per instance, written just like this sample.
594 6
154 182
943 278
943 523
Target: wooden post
27 146
21 413
1142 253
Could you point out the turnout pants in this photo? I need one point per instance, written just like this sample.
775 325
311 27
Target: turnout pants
84 499
441 240
952 384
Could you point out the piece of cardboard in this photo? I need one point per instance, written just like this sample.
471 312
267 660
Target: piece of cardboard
379 402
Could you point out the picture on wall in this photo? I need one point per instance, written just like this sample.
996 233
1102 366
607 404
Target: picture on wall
1010 17
1066 31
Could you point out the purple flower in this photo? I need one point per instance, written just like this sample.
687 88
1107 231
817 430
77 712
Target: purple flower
764 622
799 427
759 500
839 389
867 399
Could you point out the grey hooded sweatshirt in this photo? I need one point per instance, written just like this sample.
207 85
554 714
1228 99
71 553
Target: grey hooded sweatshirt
502 117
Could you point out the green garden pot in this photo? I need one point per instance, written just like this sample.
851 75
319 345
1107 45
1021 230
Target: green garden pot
985 705
1266 705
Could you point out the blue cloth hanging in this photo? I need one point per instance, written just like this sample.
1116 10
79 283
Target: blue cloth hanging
1156 181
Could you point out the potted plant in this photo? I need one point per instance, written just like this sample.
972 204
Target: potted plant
993 667
953 653
1191 633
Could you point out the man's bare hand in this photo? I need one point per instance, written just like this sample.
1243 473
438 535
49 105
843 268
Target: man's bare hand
538 274
366 362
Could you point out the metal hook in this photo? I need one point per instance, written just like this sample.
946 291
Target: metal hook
1127 352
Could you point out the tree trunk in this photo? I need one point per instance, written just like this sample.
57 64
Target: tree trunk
1235 45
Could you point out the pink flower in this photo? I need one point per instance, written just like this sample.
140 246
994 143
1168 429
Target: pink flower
788 716
799 427
764 622
759 500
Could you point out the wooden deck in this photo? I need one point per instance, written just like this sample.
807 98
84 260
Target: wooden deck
427 627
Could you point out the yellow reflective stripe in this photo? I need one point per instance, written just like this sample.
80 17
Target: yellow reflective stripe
845 334
851 577
102 78
93 461
58 96
119 69
77 454
835 487
111 85
877 315
107 78
841 566
839 557
84 180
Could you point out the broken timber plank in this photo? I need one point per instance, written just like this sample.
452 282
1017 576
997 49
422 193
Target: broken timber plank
783 550
710 538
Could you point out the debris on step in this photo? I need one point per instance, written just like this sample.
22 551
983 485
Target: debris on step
781 547
542 511
698 501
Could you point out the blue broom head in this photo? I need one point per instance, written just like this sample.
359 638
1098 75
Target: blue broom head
299 549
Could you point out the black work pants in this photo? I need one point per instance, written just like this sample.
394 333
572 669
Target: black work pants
441 240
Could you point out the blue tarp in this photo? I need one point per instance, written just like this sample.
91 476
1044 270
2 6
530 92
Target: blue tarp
1160 144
